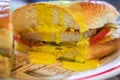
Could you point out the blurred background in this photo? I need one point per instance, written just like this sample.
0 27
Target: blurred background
14 3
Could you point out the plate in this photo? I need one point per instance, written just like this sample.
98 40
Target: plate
110 67
23 69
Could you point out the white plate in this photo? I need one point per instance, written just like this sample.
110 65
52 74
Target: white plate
105 71
110 68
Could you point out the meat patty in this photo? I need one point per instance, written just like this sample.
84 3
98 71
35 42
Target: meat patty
64 36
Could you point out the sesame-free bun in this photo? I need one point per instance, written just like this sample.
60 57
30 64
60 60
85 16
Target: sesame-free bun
95 15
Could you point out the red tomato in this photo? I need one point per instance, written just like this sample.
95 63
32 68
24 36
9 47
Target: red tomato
17 38
99 36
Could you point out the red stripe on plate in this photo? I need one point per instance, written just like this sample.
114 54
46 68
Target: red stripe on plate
94 75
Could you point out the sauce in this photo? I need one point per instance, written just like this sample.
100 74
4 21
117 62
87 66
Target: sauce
71 56
41 58
46 28
75 66
76 13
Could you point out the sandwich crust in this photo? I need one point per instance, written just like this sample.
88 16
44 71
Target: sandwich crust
95 15
82 16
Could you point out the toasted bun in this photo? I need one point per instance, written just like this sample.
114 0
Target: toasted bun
21 16
95 15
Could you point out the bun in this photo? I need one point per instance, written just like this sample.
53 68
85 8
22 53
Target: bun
95 15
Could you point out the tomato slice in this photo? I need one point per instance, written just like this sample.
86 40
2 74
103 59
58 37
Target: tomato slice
17 38
99 36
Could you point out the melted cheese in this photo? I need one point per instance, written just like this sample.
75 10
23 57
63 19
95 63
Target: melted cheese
75 66
76 13
49 54
83 41
47 30
41 58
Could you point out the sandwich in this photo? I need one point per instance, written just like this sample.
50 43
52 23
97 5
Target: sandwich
6 40
78 33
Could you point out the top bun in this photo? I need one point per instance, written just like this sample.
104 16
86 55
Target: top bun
95 14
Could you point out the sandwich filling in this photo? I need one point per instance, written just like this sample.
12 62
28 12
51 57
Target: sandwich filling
51 31
69 53
51 48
